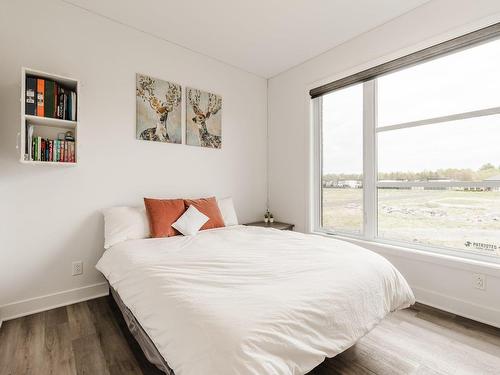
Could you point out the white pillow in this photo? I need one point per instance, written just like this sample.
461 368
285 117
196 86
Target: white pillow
226 208
124 223
190 222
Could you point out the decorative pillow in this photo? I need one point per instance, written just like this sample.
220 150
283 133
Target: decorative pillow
208 207
190 222
162 214
124 223
227 211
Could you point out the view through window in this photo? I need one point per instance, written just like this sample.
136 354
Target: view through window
436 141
342 193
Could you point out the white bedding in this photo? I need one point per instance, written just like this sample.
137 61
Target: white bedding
248 300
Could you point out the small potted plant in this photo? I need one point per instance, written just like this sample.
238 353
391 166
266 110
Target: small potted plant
271 218
266 216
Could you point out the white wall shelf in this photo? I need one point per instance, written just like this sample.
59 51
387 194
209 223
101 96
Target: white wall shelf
47 121
48 163
47 127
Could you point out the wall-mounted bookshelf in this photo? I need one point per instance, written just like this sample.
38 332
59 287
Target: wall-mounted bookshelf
49 118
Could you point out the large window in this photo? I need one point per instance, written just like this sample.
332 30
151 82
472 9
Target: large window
342 193
412 156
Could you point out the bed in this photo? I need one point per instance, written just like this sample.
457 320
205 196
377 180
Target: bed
249 300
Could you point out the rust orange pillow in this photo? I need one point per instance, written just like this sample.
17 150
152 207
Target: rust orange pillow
208 207
162 213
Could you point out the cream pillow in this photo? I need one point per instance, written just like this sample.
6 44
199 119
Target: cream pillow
124 223
226 208
190 222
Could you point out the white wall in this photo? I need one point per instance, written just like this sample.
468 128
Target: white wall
290 150
50 215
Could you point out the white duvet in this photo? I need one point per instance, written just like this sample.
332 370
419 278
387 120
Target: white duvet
247 300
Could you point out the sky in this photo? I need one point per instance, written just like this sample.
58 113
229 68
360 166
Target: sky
464 81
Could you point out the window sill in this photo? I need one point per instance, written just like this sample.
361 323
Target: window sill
491 268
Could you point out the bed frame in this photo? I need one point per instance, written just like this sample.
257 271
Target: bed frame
146 345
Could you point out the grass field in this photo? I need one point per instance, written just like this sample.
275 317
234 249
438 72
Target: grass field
462 220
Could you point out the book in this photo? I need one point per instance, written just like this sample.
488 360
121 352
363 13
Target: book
49 104
56 98
73 107
58 101
26 143
47 98
40 91
68 107
43 149
65 105
50 150
29 142
39 148
33 148
30 97
61 103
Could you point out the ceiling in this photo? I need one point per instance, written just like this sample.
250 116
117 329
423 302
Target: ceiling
264 37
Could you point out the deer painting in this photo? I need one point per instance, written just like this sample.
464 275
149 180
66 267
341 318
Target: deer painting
198 116
158 99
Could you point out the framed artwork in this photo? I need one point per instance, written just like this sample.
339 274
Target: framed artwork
158 108
203 119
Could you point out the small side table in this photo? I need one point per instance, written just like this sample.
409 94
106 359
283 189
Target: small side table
275 225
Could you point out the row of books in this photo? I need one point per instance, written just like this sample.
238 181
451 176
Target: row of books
52 150
46 98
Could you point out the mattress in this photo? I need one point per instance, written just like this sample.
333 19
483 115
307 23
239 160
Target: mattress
148 347
248 300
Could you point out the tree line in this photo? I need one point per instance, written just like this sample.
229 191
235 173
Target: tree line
486 171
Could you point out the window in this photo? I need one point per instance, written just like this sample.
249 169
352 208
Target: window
412 155
342 177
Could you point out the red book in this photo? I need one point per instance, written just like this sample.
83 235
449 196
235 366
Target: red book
40 89
44 145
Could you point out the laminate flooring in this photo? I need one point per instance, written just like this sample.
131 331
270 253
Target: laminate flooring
91 338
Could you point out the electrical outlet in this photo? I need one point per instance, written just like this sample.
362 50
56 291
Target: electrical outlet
77 268
479 281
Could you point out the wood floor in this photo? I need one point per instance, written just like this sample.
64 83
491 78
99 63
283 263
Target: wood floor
90 338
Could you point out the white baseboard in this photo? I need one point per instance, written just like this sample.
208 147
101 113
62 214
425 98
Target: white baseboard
480 313
51 301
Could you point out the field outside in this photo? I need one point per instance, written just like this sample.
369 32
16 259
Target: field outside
464 220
